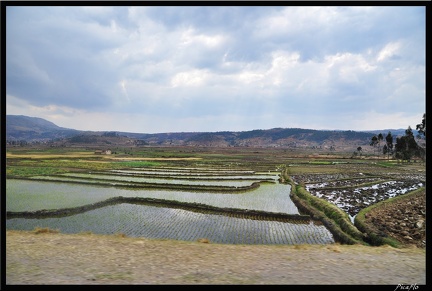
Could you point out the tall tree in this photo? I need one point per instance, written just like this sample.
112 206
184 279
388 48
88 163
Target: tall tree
406 147
380 138
374 142
421 127
388 147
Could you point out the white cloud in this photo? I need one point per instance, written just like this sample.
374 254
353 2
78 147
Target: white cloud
190 37
389 51
349 67
396 120
53 113
97 10
303 21
189 78
123 86
196 67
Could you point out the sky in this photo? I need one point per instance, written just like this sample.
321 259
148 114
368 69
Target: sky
154 69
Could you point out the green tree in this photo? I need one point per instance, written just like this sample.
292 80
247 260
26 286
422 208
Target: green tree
421 136
380 138
406 147
388 146
421 127
358 152
374 142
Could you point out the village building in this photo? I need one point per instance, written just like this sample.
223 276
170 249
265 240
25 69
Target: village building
103 152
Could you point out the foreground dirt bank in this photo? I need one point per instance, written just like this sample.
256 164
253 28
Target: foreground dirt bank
52 258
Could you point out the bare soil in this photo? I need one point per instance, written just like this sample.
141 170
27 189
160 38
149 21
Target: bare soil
403 220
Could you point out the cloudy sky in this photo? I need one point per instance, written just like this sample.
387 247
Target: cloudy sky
182 69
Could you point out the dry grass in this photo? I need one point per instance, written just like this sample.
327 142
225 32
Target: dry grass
300 247
39 230
335 248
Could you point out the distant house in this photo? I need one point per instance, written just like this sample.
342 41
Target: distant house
102 152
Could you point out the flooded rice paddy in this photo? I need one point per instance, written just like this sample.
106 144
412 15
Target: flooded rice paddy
349 191
170 223
57 192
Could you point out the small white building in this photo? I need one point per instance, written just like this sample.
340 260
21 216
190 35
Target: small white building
103 152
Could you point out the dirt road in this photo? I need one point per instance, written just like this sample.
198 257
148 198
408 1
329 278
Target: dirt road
51 258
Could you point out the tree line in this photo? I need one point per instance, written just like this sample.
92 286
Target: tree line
406 146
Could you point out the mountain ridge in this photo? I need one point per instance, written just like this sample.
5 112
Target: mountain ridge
31 129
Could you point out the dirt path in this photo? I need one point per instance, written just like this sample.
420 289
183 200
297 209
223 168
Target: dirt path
100 259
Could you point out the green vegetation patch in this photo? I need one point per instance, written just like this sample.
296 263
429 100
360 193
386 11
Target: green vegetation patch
136 164
27 168
335 219
388 164
32 171
321 162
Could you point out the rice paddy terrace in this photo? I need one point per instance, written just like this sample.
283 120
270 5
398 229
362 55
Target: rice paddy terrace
220 195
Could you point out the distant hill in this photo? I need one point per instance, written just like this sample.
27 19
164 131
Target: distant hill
20 127
30 129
